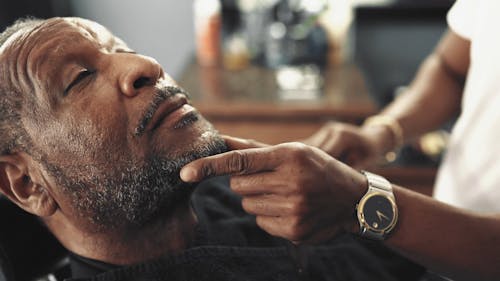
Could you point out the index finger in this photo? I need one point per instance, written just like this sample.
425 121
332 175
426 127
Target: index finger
236 162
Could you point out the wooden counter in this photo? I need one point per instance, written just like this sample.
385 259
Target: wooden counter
248 104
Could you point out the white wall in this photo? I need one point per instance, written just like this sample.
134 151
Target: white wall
162 29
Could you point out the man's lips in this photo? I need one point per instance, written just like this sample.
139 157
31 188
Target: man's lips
166 101
167 108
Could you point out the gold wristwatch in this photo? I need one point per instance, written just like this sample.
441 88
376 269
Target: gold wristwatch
377 211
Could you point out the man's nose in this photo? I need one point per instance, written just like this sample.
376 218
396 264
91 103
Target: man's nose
139 72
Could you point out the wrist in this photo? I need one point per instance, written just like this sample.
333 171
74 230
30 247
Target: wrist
388 134
361 187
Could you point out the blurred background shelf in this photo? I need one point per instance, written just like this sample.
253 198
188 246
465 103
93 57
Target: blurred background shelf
248 104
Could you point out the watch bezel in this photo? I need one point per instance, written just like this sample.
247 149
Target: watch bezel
361 216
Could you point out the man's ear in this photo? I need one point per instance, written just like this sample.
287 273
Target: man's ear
21 183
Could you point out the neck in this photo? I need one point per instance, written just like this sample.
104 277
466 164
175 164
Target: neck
132 245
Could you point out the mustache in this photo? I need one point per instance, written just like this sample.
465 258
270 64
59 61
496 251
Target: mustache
162 94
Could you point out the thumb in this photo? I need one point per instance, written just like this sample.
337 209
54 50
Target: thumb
239 143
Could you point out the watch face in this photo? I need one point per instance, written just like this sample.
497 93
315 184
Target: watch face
378 212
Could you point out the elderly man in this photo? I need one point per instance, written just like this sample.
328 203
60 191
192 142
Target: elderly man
93 137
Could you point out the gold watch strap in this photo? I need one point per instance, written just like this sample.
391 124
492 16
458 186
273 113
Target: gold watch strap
376 185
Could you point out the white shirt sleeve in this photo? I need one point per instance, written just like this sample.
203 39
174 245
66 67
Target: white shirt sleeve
461 17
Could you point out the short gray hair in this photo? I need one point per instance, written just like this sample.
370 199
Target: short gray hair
12 133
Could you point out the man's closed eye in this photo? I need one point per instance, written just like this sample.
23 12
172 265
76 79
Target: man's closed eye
79 78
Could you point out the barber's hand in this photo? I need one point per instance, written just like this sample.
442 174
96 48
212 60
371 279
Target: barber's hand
350 144
296 191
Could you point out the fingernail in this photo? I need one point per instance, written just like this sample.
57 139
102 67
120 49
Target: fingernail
188 174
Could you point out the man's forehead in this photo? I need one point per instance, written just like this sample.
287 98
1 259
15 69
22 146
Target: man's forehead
97 31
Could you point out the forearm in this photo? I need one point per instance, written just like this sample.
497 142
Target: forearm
432 99
435 94
451 241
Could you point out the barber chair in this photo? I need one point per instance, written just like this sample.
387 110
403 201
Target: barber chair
28 251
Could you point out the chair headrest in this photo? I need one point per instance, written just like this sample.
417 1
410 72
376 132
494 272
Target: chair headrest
27 248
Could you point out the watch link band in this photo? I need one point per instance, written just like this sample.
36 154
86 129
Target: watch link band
377 211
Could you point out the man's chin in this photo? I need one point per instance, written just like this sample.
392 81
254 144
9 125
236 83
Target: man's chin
157 191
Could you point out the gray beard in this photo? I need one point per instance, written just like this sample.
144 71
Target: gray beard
132 195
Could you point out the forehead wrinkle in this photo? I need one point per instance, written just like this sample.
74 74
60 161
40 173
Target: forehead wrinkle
12 52
18 54
104 39
98 33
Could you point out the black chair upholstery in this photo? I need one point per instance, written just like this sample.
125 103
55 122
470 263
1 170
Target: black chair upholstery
27 249
6 273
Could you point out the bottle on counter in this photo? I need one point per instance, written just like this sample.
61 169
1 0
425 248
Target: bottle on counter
207 22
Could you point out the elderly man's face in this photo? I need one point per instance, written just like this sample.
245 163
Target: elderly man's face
108 125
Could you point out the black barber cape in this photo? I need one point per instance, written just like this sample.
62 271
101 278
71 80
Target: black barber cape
230 246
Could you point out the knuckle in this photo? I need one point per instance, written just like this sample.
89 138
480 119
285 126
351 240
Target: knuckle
294 186
300 206
289 208
292 147
207 170
299 183
253 206
299 151
238 162
297 207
